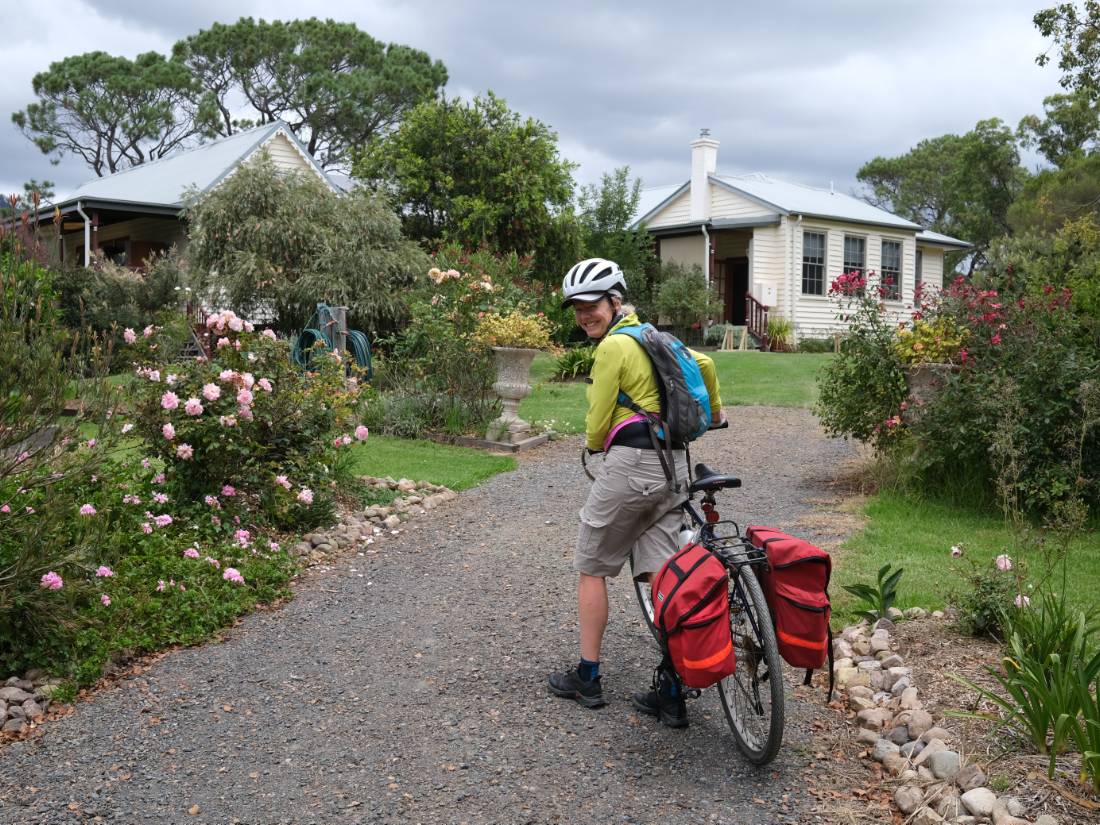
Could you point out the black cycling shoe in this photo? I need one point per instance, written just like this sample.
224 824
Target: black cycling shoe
671 710
570 685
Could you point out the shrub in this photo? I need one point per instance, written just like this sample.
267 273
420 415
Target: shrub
816 345
931 342
575 362
780 334
512 330
990 589
862 389
683 298
246 417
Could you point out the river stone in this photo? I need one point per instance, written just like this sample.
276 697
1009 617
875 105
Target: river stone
925 775
882 748
911 749
909 700
875 718
970 777
14 726
867 736
938 614
926 816
935 732
893 660
919 722
979 801
908 798
1046 819
879 644
945 764
862 646
934 746
876 677
948 806
965 819
406 486
14 694
858 703
860 690
3 709
895 614
900 686
869 665
895 763
33 711
908 775
1007 810
392 522
882 624
899 735
851 676
842 649
915 613
449 495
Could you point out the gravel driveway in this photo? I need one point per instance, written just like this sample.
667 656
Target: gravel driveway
409 686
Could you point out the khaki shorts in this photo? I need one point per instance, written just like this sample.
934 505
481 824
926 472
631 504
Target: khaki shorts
629 510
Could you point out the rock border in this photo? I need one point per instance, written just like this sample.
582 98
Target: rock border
373 523
938 785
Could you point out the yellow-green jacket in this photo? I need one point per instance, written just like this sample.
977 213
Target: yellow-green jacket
622 365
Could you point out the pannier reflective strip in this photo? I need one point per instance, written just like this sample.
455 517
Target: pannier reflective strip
710 660
795 640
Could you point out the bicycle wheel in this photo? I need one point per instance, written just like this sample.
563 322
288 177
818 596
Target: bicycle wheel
645 602
752 696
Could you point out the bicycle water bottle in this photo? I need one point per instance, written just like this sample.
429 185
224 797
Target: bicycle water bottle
684 536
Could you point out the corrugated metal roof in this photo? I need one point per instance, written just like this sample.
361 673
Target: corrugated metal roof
939 239
798 199
784 197
163 182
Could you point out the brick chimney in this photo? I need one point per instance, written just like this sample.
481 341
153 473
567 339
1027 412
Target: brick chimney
704 159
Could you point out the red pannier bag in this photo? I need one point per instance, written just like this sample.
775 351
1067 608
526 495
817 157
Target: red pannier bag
796 587
691 607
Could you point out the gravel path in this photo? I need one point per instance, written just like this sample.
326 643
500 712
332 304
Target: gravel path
409 686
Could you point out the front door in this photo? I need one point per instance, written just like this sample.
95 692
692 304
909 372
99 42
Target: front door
736 285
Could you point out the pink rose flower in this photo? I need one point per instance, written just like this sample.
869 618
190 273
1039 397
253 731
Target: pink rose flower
126 428
185 451
227 420
51 581
212 501
103 571
160 585
146 528
191 553
106 600
248 379
243 537
160 498
226 375
283 482
168 431
231 574
1004 563
229 490
268 333
5 509
245 413
244 397
361 433
211 392
235 324
213 562
1022 600
148 331
264 385
87 510
305 495
163 520
222 343
194 406
129 336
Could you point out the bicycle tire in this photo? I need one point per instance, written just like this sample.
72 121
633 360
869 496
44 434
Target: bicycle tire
757 729
645 602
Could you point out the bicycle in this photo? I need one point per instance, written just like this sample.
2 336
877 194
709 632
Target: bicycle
753 695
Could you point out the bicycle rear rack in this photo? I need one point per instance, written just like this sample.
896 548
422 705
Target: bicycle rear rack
735 551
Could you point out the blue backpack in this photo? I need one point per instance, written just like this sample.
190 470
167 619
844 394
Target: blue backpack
685 402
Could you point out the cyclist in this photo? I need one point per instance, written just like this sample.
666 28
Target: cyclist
630 508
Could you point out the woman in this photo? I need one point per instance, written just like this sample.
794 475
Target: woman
630 510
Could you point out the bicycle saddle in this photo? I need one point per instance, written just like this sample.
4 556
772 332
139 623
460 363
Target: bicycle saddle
708 479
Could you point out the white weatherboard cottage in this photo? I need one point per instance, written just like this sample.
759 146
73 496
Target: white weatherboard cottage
774 247
135 213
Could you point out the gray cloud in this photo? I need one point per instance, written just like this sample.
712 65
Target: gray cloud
806 91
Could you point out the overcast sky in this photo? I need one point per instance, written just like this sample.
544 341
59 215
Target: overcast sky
806 91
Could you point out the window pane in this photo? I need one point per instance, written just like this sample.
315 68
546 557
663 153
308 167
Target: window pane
813 263
890 277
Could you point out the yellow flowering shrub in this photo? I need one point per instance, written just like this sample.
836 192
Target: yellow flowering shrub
930 342
513 330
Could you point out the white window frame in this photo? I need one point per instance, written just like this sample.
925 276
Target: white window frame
824 264
844 268
882 267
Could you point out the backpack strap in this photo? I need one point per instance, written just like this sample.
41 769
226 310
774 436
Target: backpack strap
810 671
664 454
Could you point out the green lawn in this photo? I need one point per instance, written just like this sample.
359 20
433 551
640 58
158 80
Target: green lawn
769 378
918 535
454 467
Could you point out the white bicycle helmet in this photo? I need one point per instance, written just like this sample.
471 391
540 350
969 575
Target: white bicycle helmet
591 279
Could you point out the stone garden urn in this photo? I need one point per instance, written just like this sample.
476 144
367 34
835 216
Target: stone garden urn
925 380
512 386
